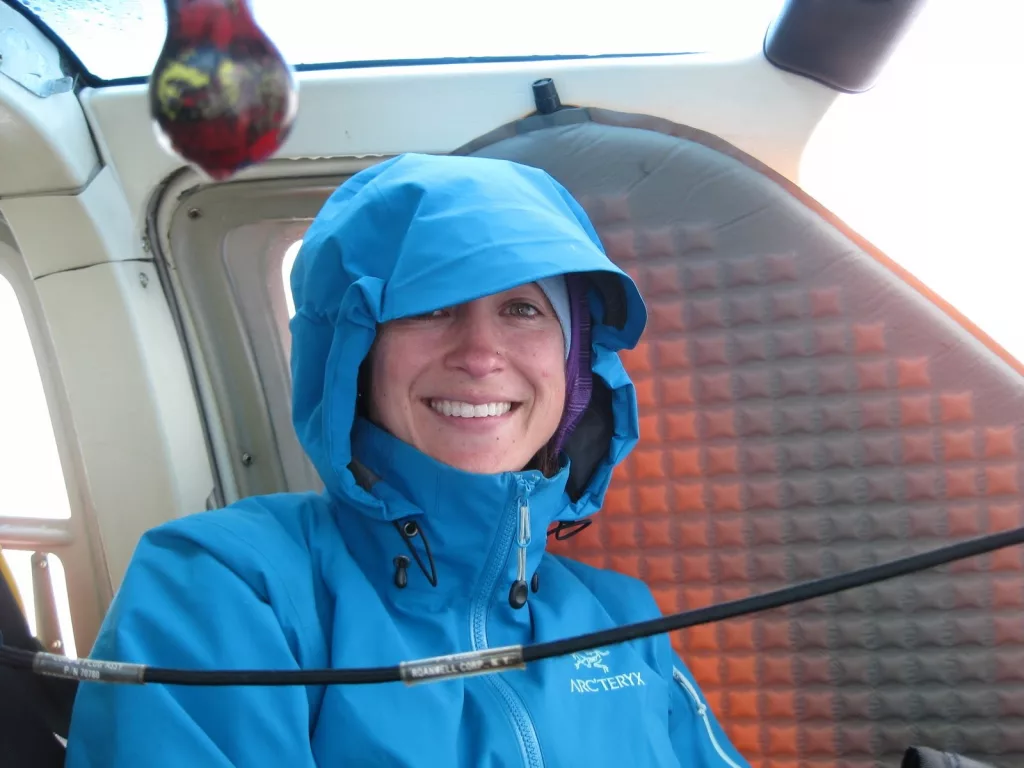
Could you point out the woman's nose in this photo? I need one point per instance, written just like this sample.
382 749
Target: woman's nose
476 346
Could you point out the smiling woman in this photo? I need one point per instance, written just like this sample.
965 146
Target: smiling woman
457 384
479 386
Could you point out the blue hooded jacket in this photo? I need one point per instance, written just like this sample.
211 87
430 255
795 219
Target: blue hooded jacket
299 581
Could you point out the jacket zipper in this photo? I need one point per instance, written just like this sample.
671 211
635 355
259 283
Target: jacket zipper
523 542
517 521
702 712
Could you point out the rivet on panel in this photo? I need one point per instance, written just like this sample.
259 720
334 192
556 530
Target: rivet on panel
247 459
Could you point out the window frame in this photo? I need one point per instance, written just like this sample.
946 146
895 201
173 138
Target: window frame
74 540
224 245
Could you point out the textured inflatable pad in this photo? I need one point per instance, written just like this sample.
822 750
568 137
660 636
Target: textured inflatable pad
807 409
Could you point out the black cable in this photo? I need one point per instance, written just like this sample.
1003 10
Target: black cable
365 676
511 657
797 593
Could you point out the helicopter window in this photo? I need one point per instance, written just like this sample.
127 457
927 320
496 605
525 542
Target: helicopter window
121 39
32 482
32 486
894 163
286 270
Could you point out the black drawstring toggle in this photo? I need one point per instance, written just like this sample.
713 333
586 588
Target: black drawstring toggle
401 572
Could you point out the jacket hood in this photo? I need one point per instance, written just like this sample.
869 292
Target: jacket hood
417 233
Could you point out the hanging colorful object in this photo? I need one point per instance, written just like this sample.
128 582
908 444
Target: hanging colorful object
222 96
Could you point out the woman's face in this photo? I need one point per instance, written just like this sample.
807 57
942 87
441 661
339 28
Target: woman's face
479 386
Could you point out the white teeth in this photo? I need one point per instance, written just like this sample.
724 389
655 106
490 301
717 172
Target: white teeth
468 410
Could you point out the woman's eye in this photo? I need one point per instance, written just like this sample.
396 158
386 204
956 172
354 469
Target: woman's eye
523 309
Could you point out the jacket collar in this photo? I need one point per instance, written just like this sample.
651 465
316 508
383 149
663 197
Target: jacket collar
474 524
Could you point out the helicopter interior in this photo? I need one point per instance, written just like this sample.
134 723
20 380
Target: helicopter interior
825 382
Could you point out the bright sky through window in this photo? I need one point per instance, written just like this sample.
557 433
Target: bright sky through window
122 38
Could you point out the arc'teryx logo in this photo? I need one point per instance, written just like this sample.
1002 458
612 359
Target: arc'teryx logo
595 660
591 660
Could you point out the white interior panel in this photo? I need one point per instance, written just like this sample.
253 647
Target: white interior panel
137 424
45 144
60 232
374 112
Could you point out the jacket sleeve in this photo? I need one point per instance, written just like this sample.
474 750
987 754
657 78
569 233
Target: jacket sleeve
698 738
182 605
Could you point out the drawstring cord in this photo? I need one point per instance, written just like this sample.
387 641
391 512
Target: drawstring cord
408 531
563 531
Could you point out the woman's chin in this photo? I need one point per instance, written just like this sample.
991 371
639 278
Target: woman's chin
479 463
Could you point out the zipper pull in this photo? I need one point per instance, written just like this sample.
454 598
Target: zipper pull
518 594
524 524
520 591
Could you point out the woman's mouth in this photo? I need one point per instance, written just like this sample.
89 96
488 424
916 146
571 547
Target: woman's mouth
463 410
